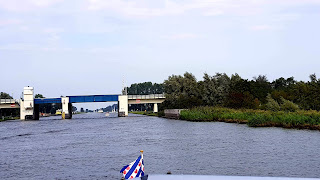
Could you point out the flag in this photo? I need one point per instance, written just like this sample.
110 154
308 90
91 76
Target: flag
134 169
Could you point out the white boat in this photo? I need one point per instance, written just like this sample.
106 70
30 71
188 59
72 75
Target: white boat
100 111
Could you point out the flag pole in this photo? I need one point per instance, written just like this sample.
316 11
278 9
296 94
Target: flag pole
141 153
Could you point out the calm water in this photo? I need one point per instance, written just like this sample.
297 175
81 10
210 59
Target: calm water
92 146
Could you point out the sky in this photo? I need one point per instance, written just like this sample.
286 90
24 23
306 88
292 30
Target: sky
82 47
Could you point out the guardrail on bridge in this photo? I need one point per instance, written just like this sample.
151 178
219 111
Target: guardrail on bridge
149 96
8 101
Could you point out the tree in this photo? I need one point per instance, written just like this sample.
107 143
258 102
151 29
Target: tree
39 96
145 88
287 105
182 91
260 87
272 105
4 95
215 89
313 77
74 109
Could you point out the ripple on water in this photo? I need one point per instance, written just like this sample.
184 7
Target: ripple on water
92 146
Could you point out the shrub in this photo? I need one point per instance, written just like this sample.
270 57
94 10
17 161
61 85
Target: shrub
287 105
272 104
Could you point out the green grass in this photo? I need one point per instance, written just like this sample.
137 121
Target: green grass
148 113
9 118
255 118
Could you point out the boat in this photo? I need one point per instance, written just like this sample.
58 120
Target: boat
59 112
100 111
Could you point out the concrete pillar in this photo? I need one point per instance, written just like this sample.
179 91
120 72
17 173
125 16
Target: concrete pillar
123 106
36 112
70 110
66 108
155 108
27 104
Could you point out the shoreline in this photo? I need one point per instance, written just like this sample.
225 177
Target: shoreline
254 118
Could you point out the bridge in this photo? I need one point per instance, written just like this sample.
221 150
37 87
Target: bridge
29 106
9 103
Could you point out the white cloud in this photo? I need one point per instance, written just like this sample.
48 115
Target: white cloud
34 47
213 13
181 36
26 5
141 9
5 22
262 27
53 30
54 37
19 46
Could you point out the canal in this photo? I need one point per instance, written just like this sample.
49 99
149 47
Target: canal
92 146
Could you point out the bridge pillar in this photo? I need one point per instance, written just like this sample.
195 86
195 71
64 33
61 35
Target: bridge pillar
36 112
155 108
66 108
27 104
123 106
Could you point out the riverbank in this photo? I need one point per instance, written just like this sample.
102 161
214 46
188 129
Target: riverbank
255 118
8 118
148 113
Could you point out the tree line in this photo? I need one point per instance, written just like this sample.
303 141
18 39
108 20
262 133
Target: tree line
145 88
236 92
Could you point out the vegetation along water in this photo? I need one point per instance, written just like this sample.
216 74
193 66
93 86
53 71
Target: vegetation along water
255 118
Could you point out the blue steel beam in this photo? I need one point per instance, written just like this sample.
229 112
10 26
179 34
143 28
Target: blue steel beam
47 100
78 99
93 98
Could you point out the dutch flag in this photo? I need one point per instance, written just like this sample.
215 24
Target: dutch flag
134 169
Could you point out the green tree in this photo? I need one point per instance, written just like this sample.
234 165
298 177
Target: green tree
145 88
39 96
287 105
260 87
272 104
215 89
4 95
182 91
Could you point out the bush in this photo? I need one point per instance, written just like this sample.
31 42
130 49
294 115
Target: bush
255 118
272 104
287 105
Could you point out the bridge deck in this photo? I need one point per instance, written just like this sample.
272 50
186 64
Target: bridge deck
97 98
149 96
47 100
8 101
78 99
93 98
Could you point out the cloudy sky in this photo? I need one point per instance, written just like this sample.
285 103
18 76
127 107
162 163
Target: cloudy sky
75 47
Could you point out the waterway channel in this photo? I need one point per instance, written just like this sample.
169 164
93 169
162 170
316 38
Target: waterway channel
93 146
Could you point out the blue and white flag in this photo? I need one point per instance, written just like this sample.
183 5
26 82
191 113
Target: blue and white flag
134 169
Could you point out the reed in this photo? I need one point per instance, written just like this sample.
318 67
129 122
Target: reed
255 118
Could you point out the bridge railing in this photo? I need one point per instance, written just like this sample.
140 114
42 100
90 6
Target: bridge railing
8 101
149 96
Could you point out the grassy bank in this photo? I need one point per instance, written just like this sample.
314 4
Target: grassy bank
255 118
9 118
148 113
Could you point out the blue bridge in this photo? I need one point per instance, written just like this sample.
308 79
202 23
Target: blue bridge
79 99
29 106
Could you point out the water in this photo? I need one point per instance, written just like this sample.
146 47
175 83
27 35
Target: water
92 146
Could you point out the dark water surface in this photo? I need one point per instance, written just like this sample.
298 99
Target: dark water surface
92 146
